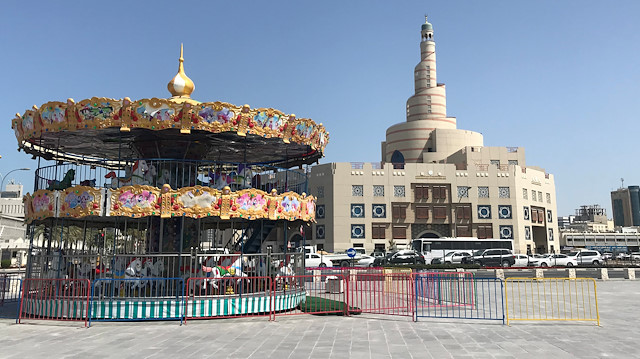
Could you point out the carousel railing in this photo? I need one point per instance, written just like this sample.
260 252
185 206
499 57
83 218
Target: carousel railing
177 173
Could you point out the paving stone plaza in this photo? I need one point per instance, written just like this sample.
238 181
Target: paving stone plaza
363 336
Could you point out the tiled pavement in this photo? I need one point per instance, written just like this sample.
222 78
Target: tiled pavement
339 337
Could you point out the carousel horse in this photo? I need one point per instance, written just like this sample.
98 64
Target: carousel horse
134 270
65 183
89 183
155 269
133 175
216 273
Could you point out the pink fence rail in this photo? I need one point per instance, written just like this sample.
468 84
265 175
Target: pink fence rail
228 297
448 289
382 293
310 294
55 299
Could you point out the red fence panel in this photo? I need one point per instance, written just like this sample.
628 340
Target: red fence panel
382 293
228 297
310 294
55 299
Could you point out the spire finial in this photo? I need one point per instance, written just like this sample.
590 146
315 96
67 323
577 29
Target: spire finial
425 19
181 85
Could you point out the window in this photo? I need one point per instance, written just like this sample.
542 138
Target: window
463 212
357 190
422 212
399 232
463 191
440 212
548 197
399 211
398 191
357 231
378 191
483 192
513 162
463 231
378 231
485 231
421 192
524 194
378 247
429 109
504 192
439 192
539 196
495 163
533 195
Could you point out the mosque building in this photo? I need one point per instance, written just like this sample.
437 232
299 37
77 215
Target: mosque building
434 180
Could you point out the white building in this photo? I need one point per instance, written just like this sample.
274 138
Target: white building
13 242
435 180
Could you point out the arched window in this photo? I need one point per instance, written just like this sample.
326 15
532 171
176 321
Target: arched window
397 159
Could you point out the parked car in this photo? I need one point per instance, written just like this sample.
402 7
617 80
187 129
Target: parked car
454 257
635 256
380 261
366 261
400 257
317 260
607 256
522 260
587 256
555 260
623 256
492 257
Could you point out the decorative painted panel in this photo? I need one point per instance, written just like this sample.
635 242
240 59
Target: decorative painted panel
357 231
357 190
506 232
504 192
463 191
504 212
526 212
378 191
135 201
483 192
549 216
320 231
527 233
357 210
398 191
320 211
551 234
484 211
320 191
80 201
379 210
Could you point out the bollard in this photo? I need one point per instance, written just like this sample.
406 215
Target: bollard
539 273
630 273
572 273
604 274
500 274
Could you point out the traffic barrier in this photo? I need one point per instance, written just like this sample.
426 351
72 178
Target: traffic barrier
551 299
382 293
131 299
228 297
55 299
310 294
459 297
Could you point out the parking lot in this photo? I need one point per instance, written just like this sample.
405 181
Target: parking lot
364 336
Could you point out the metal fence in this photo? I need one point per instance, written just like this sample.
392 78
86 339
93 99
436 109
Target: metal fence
382 293
55 299
310 294
551 299
459 296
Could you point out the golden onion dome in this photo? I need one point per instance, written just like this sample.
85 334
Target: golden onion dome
181 85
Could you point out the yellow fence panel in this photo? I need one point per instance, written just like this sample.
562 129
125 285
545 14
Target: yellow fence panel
551 299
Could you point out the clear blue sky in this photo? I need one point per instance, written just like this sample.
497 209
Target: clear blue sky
560 78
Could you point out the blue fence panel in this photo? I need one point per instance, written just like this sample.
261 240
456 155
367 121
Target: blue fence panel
460 297
134 299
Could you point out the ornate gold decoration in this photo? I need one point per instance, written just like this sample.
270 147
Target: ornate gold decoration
135 201
160 114
181 85
80 201
195 202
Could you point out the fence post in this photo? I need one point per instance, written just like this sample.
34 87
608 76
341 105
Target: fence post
604 274
630 273
500 274
539 273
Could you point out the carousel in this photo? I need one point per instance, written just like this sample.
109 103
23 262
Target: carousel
145 198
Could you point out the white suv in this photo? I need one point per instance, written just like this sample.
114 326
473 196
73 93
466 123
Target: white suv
316 260
587 256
